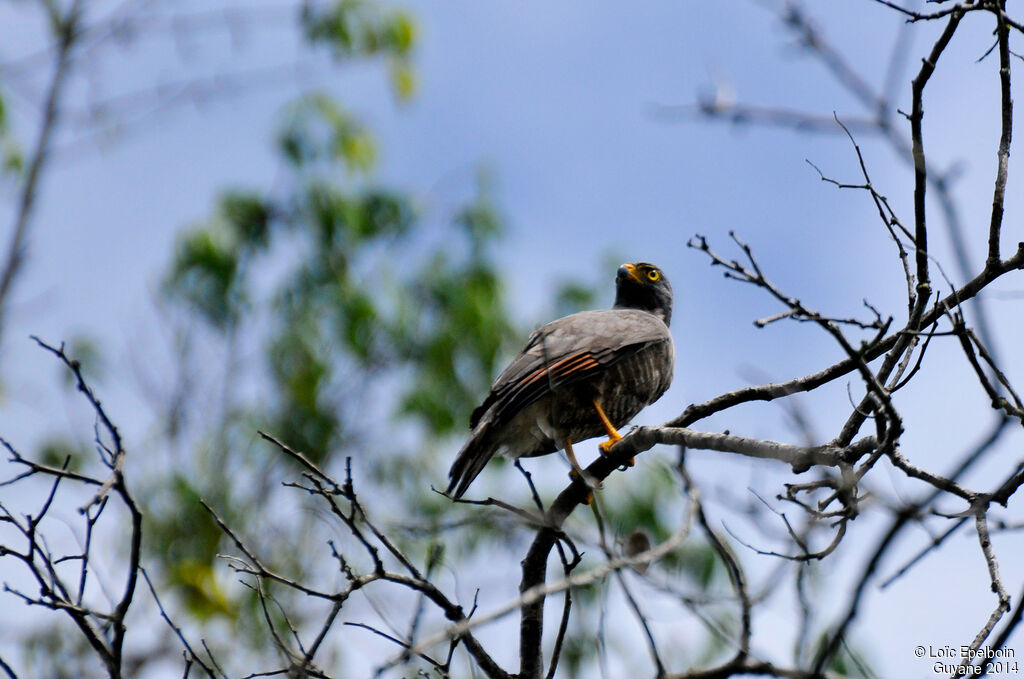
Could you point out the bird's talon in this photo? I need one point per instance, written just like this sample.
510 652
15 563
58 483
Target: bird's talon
605 446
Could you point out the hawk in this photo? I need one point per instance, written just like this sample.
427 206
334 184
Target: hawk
578 377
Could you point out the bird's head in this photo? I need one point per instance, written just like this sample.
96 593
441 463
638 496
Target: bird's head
643 286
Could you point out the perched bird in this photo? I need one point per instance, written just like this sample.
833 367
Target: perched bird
578 377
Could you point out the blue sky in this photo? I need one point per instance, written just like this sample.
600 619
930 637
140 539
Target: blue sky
560 102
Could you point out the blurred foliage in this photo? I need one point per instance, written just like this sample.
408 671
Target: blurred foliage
351 313
367 324
89 358
196 582
354 28
57 451
65 655
650 504
204 274
319 131
573 296
358 28
337 316
11 158
848 661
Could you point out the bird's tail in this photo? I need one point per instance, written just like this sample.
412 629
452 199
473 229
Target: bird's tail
470 461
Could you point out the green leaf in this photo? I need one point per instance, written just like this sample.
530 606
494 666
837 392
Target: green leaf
248 216
481 220
318 129
203 273
384 213
400 32
356 147
55 451
353 28
200 591
12 158
358 323
403 80
301 369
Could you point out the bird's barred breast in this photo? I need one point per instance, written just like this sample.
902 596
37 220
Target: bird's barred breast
636 382
623 390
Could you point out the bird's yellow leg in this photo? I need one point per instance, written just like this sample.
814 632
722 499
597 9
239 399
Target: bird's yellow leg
577 471
613 434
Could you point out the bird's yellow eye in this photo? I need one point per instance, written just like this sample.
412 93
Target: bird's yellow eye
653 275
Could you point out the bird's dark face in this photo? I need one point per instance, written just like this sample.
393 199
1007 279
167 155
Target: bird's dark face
643 286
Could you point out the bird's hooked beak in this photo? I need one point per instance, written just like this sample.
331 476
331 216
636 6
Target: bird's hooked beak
628 271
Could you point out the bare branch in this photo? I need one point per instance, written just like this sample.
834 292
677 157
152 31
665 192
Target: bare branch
1003 603
1005 134
67 31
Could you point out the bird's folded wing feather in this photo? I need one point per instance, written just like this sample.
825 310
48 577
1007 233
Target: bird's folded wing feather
568 351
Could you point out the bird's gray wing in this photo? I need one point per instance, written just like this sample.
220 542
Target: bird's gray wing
567 351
